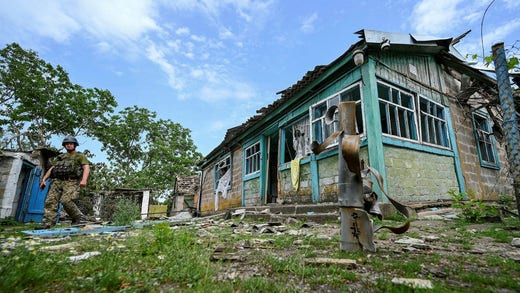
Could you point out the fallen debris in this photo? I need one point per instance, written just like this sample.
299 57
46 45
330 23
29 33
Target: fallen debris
348 263
78 258
414 283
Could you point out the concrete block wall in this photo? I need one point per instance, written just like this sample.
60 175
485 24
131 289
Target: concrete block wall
485 183
418 176
288 194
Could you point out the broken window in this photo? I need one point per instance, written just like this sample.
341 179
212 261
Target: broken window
322 130
397 112
484 140
222 168
433 123
252 159
297 141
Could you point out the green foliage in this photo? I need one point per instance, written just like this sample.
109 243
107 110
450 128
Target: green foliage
145 152
511 50
38 101
126 212
473 210
9 221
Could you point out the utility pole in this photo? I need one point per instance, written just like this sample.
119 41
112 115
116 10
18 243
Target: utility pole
511 132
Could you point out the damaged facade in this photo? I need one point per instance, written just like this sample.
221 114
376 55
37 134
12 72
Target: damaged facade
429 125
20 195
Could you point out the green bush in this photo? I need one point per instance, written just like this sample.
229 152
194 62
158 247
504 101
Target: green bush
126 212
473 210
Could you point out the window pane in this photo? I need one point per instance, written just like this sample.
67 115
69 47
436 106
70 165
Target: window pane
319 110
383 92
252 157
321 130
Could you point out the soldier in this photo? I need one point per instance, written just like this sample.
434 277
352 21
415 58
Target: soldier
69 172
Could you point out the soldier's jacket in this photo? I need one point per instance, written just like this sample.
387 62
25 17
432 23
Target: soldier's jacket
69 166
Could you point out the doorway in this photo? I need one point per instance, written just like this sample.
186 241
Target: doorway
272 168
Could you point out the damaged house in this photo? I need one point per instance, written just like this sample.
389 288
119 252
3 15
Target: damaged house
20 195
428 122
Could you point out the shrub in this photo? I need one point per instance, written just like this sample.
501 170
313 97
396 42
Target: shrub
126 212
473 210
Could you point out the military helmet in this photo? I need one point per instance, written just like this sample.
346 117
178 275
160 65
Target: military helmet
69 138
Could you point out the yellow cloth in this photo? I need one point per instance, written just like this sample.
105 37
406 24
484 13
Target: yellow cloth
295 173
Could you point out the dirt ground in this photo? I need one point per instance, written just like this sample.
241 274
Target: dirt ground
437 249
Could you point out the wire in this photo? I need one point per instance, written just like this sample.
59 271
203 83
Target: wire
481 29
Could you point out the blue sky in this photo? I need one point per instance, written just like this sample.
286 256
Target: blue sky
210 64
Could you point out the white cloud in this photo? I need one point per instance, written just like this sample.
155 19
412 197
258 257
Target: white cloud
125 20
182 31
157 55
510 4
433 17
217 125
46 19
307 25
500 33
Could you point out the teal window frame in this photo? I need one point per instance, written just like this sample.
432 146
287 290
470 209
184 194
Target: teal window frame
485 141
409 116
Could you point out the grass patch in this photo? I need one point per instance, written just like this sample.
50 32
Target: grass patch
168 258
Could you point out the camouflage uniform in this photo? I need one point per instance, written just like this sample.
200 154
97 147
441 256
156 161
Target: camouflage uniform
64 188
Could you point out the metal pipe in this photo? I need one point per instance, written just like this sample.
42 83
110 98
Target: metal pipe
356 226
511 131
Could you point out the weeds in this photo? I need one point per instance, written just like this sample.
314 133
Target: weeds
473 210
126 212
162 258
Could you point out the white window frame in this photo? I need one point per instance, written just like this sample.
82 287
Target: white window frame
435 123
394 112
253 158
334 99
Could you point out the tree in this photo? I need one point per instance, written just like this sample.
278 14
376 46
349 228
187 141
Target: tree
145 152
38 100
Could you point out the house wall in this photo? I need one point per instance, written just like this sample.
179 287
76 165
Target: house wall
11 179
413 171
418 176
327 179
288 194
234 195
8 185
482 182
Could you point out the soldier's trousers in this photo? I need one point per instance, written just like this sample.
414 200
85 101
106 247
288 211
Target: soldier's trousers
65 191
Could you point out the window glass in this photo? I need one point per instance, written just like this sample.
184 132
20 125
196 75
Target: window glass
322 130
252 159
397 114
433 124
223 170
297 140
484 140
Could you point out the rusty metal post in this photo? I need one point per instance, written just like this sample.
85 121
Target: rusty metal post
512 134
356 225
